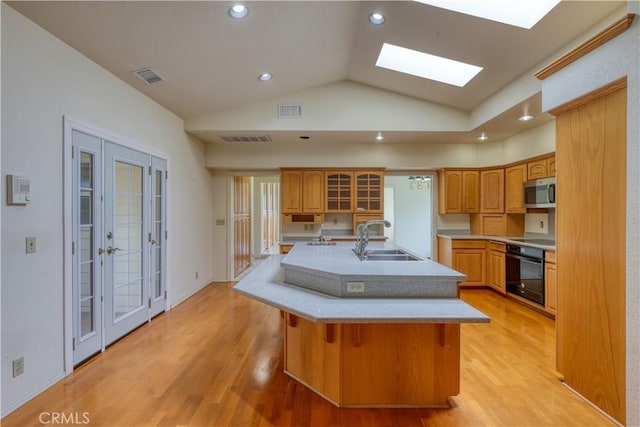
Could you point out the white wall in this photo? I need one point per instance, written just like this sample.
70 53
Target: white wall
412 220
44 80
617 58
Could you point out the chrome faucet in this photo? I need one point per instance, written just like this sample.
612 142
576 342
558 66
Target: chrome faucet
321 238
362 238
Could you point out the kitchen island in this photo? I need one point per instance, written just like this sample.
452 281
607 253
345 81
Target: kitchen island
361 350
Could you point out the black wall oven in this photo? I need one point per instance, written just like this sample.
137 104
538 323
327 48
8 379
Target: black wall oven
525 272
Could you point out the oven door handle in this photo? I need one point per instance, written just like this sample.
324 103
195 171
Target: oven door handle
524 258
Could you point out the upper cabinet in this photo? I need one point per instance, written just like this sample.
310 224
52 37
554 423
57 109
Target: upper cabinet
369 191
492 191
291 191
339 191
542 168
302 191
319 191
515 176
459 191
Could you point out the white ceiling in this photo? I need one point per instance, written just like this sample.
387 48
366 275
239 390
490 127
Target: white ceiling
211 62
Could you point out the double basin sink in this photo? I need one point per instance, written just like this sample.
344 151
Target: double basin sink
374 254
387 255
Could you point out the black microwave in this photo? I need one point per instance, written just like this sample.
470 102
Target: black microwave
540 193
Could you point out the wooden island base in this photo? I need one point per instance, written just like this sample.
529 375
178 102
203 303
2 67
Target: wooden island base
374 364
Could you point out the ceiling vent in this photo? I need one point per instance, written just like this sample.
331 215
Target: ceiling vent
148 75
289 110
245 138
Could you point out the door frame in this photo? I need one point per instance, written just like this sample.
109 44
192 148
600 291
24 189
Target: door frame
70 124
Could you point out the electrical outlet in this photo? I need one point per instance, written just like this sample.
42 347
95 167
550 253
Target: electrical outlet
30 245
18 366
196 274
335 221
355 286
541 224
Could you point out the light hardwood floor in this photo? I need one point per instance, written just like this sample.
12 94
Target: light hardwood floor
216 360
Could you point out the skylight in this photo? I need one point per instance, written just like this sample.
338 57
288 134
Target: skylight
425 65
520 13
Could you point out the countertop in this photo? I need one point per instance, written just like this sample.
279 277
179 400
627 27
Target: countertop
463 235
265 283
339 259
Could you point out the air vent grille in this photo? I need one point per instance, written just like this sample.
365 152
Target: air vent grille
245 138
148 75
289 110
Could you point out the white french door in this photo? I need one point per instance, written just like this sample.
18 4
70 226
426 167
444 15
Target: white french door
158 236
118 255
86 235
126 257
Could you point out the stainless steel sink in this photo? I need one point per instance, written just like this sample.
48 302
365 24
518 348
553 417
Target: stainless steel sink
385 252
388 255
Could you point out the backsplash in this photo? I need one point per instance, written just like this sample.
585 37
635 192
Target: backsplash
540 224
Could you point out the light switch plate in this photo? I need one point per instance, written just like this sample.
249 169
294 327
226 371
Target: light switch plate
30 245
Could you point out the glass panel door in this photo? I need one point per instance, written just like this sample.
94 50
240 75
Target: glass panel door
86 220
158 235
126 261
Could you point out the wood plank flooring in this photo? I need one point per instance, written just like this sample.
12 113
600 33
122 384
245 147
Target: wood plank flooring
216 360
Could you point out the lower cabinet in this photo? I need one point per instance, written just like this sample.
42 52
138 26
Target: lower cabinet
550 282
496 266
466 256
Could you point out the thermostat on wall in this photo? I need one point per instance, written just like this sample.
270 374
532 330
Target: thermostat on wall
18 190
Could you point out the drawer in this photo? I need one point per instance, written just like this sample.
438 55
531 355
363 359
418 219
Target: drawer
497 246
550 256
468 244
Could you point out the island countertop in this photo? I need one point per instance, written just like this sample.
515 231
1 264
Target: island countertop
265 283
339 259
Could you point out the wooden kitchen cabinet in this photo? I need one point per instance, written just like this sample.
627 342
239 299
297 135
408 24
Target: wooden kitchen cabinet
313 191
291 191
469 258
492 191
458 191
302 191
515 176
537 169
542 168
339 191
496 264
369 191
551 166
550 282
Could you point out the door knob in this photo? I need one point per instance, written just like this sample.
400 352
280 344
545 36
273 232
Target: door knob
111 250
100 251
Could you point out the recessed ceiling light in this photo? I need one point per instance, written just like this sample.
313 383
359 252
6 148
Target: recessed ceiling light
425 65
376 18
525 117
520 13
238 11
379 136
265 77
483 137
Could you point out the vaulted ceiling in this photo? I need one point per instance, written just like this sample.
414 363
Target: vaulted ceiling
211 62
